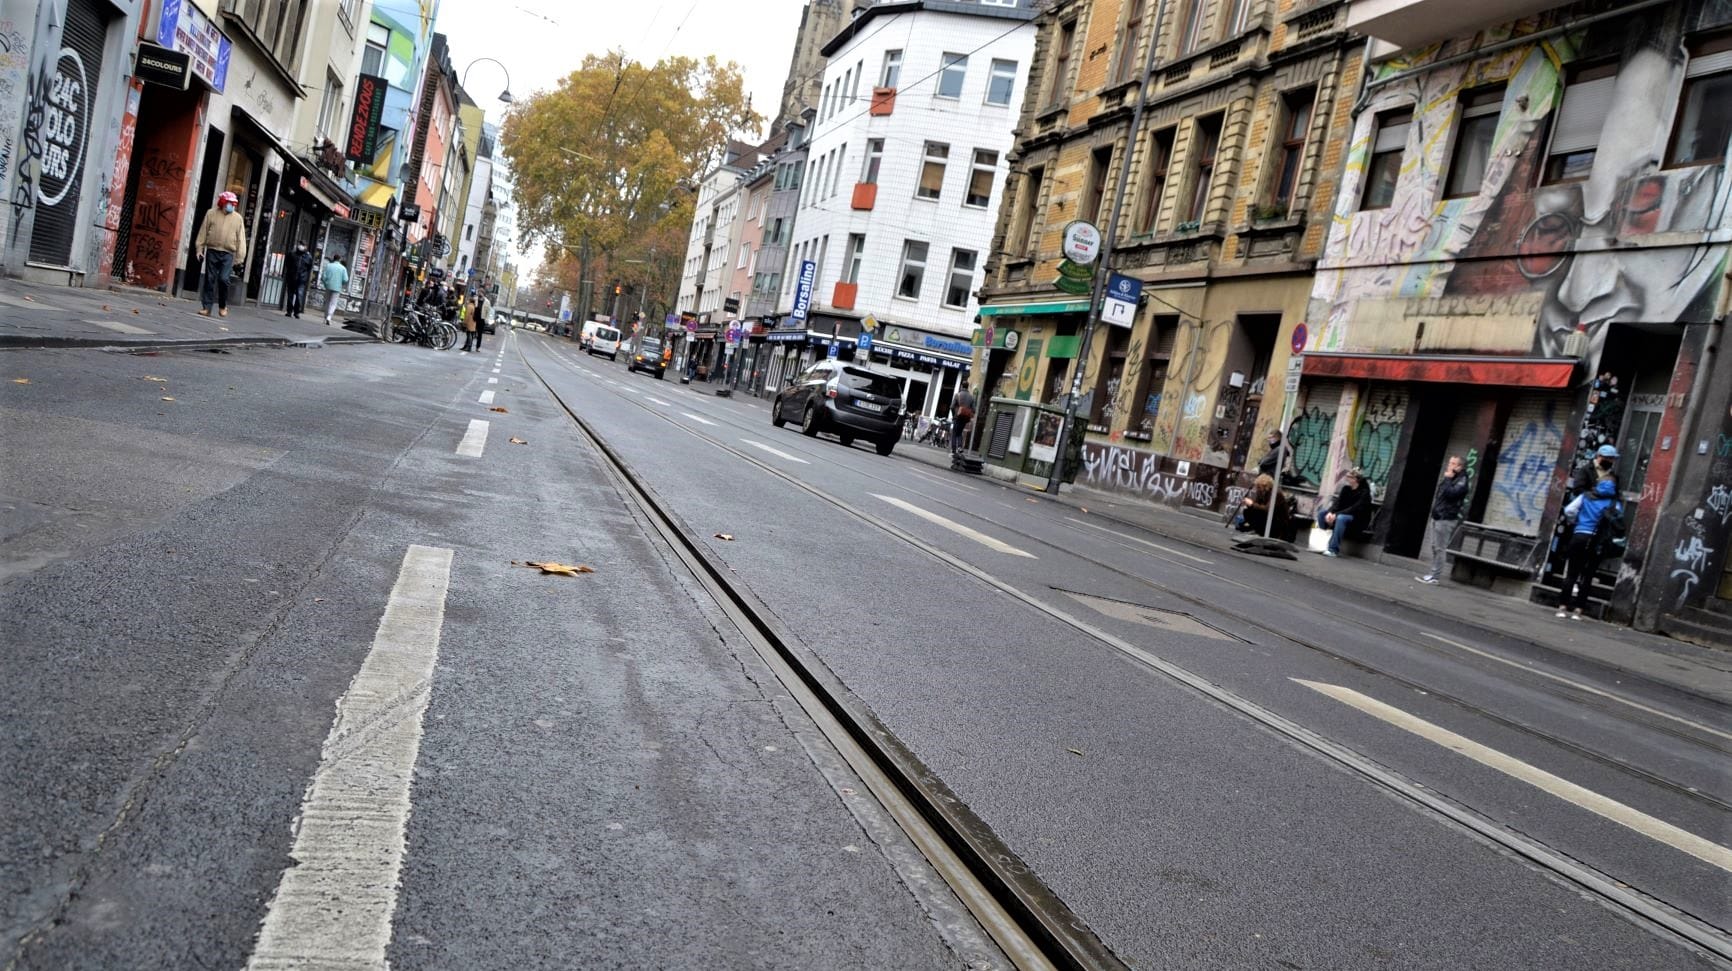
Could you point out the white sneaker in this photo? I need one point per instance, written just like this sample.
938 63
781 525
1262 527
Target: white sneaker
1428 578
1562 613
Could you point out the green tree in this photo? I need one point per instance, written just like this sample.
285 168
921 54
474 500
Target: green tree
604 161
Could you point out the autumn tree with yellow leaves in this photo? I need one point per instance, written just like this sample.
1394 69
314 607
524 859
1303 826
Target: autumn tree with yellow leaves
605 163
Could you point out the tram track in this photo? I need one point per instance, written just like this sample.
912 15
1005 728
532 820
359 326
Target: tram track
1025 895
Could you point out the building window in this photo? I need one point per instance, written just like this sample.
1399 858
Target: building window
1190 26
842 93
1296 122
1027 207
859 72
836 171
1473 139
1059 84
1095 195
776 230
1160 158
980 178
745 254
874 158
1152 376
1587 100
892 70
1383 170
373 56
1126 68
961 278
1238 17
913 269
1705 108
1203 149
331 106
851 259
1001 82
932 171
950 75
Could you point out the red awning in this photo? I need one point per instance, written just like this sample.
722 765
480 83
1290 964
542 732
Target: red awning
1510 372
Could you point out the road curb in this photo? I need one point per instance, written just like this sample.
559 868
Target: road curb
10 342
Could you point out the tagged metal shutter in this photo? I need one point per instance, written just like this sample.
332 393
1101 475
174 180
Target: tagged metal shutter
1532 439
1313 426
65 144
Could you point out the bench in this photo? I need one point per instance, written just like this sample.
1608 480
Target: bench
1485 555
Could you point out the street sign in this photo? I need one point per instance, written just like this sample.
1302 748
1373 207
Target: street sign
988 335
1120 306
865 343
835 350
803 290
1300 336
1082 242
1292 383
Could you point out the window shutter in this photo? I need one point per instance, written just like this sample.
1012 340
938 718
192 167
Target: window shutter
1391 138
1583 115
1709 64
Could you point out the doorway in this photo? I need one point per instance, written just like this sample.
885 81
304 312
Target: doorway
207 190
1432 413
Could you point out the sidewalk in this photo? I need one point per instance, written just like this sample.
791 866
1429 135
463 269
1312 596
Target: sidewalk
35 315
1703 672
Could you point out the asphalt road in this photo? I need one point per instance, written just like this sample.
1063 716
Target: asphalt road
193 592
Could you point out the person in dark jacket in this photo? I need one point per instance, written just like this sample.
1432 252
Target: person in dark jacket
1276 458
299 270
1446 511
1589 511
1352 503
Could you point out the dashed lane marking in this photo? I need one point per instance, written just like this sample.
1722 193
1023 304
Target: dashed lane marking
1711 853
760 446
492 380
956 527
698 418
657 401
474 440
487 396
333 908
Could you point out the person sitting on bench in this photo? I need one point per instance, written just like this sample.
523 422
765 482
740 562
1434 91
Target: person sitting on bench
1353 502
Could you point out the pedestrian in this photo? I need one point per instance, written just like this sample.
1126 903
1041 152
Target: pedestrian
1446 510
962 405
222 243
299 267
334 278
473 323
1352 503
1597 517
1276 458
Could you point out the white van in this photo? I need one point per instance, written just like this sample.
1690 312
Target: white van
603 339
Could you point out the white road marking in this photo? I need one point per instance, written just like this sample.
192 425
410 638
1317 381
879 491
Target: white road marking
697 418
119 327
945 482
333 908
775 451
629 390
657 401
1579 686
495 370
1134 539
492 380
1664 832
957 528
487 396
474 440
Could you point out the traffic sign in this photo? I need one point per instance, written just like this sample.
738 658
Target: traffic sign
865 343
1300 336
835 350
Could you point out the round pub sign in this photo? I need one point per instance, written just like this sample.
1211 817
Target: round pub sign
1082 242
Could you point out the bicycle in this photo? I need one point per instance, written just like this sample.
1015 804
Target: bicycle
417 327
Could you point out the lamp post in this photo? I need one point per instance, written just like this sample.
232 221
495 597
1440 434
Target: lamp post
505 95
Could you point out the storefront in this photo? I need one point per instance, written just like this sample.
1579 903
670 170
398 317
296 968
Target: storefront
931 365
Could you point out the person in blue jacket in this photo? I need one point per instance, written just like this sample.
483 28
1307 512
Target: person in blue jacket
1586 547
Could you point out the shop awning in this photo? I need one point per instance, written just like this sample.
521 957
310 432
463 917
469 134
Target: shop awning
1054 305
1509 372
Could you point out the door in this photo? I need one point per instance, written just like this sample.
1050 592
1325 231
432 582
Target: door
207 190
1411 515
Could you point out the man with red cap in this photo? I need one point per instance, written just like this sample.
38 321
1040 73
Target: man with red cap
222 242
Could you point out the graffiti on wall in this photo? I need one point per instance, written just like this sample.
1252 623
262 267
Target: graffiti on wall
1135 472
14 81
1378 433
1523 479
1632 242
29 150
1309 435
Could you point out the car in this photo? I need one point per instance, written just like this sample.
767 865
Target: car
848 400
604 340
650 356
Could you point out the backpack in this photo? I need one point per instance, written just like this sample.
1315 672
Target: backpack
1609 531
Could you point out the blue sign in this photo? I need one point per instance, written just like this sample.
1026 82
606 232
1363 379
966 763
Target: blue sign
671 320
803 291
1126 288
865 341
948 346
835 350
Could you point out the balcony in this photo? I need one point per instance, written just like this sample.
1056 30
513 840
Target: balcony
883 101
865 195
842 298
1415 23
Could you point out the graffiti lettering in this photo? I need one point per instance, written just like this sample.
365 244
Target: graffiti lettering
1692 553
1720 501
1525 468
1309 435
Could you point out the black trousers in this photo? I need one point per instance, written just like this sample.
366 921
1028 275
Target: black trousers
1582 564
297 298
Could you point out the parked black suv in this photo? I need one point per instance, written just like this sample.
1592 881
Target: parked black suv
649 356
850 400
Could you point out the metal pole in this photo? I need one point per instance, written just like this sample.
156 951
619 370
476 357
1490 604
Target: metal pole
1101 269
1284 450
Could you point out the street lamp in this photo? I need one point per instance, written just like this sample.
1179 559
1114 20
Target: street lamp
505 95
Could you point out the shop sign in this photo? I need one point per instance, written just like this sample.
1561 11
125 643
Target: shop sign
1119 307
1082 242
160 65
186 28
363 141
803 291
371 217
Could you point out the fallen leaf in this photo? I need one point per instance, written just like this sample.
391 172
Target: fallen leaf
135 311
1075 751
106 307
167 398
725 536
20 380
222 328
318 600
1031 500
29 298
499 409
561 568
1085 509
518 441
152 377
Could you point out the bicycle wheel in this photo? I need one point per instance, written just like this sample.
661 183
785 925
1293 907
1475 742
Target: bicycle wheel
447 336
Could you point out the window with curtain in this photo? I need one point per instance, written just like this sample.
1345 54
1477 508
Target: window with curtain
1578 120
1383 169
913 272
932 171
1475 130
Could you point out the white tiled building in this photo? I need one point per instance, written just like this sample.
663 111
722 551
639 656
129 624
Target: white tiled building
906 166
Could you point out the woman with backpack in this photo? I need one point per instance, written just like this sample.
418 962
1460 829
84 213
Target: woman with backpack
1598 516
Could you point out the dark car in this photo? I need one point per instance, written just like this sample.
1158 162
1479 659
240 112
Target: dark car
649 356
850 400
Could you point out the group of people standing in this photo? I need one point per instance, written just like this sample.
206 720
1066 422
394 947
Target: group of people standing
222 245
468 308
